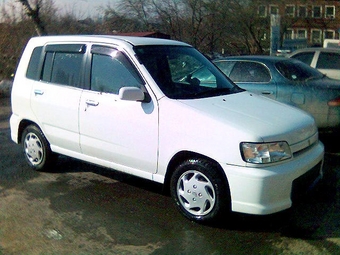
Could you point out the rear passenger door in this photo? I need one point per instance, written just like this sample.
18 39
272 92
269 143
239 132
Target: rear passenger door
55 97
114 132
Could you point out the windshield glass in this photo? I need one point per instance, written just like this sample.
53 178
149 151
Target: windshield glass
297 71
183 73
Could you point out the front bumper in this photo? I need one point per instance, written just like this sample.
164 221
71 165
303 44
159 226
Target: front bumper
268 189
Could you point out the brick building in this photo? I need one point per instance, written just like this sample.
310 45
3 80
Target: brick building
311 21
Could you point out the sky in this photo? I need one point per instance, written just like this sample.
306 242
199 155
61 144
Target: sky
82 8
88 8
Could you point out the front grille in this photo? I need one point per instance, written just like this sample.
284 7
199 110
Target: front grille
306 182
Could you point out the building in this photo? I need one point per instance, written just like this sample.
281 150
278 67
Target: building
309 21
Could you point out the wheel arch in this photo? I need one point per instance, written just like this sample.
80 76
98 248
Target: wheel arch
24 124
180 157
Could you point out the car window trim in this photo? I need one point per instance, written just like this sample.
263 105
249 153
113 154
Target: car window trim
106 50
66 48
75 48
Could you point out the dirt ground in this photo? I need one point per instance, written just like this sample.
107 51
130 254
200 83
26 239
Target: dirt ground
83 209
5 111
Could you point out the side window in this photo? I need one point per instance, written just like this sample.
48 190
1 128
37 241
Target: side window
328 60
66 69
225 66
245 71
112 71
33 66
63 64
305 57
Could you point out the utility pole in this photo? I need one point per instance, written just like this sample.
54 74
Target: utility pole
274 33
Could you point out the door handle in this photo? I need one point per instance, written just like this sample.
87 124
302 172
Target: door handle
38 92
266 92
92 102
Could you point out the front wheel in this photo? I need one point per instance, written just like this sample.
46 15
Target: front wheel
36 148
199 190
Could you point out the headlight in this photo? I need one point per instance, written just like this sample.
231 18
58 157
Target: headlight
260 153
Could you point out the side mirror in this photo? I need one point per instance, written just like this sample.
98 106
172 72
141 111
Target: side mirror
131 94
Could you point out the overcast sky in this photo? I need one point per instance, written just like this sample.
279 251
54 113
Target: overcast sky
82 8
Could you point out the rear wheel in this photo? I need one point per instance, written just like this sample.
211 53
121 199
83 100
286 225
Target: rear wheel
36 149
199 190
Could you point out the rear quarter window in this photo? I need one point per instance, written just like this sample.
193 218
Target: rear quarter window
33 66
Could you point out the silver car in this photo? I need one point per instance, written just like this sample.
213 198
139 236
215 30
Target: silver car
289 81
326 60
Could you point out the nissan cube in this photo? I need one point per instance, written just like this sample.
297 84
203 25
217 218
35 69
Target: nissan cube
132 105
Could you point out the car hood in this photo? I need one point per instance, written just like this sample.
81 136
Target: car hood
264 119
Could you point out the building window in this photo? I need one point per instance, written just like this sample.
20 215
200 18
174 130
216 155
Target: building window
301 34
330 11
289 34
290 10
329 34
302 11
317 11
316 36
274 9
262 11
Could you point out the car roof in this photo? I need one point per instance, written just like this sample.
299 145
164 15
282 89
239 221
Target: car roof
132 40
316 49
261 58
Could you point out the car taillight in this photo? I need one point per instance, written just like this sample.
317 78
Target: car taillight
334 102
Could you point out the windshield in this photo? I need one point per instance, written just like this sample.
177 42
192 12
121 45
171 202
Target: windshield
297 71
181 72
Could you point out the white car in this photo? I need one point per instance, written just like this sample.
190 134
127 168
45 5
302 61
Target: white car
326 60
121 102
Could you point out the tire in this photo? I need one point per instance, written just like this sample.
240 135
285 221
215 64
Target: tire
199 191
36 149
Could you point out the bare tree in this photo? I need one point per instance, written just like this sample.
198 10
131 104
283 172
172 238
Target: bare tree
171 18
34 14
14 31
139 10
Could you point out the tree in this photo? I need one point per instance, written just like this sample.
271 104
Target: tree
34 15
171 18
14 31
140 10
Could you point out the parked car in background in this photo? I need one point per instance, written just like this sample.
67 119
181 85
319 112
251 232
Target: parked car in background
326 60
289 81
